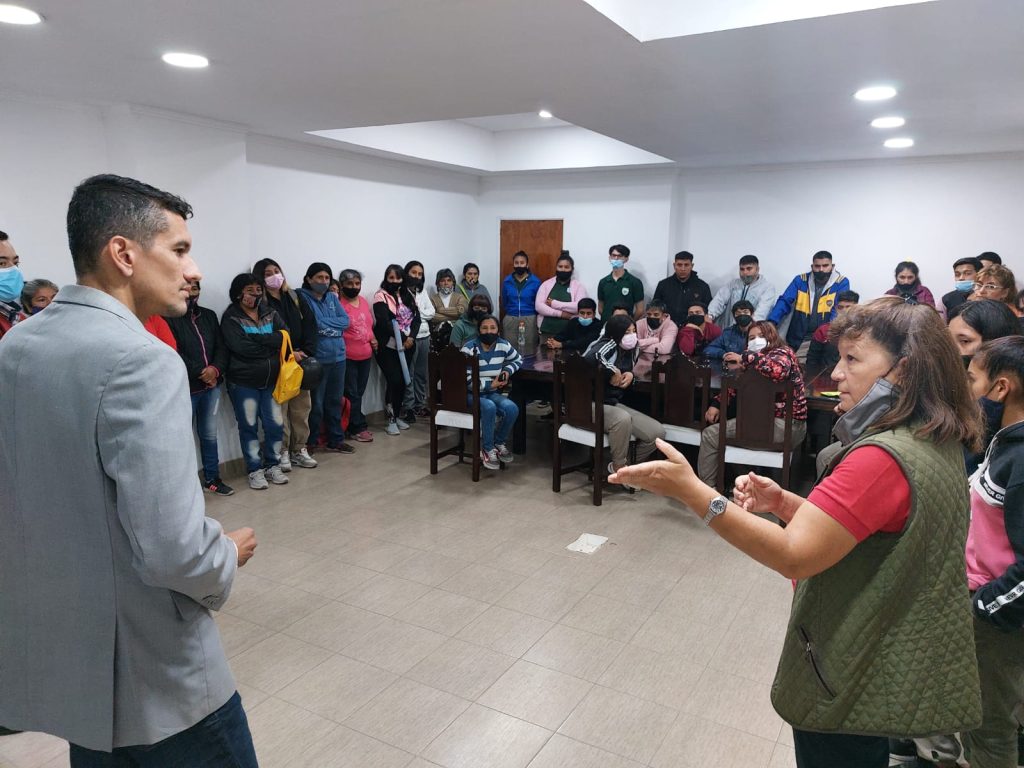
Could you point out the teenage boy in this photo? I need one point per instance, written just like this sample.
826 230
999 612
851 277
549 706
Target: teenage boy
682 289
620 287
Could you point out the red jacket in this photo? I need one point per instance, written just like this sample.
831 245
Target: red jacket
691 342
159 328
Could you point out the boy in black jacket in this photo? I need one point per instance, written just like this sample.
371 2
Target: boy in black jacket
580 331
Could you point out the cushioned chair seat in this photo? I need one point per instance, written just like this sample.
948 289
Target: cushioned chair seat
734 455
682 435
580 436
454 419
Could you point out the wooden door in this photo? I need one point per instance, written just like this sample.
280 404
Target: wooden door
541 239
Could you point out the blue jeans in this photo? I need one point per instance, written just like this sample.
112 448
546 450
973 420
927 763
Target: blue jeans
493 405
327 404
253 407
204 410
357 374
219 740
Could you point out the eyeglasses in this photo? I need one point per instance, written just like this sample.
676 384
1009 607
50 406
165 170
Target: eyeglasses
987 288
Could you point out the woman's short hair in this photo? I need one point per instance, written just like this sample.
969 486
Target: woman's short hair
468 266
991 319
32 287
933 393
616 327
349 274
1002 276
481 299
442 274
488 316
242 281
769 332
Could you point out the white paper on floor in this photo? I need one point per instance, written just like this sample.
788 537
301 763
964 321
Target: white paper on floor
587 543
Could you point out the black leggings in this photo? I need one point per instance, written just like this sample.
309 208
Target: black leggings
394 382
840 750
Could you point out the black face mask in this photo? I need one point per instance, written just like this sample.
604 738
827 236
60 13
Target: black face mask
350 293
654 323
744 320
416 283
475 313
563 277
695 319
967 360
520 270
392 287
820 278
488 338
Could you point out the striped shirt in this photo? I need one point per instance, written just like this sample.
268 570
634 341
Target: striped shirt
501 357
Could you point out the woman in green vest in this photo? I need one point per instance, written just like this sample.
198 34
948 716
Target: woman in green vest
880 640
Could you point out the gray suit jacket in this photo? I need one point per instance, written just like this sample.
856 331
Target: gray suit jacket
108 565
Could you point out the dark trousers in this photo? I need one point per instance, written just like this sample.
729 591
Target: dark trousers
394 382
357 374
219 740
327 405
839 750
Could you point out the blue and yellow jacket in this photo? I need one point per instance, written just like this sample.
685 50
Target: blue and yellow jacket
797 299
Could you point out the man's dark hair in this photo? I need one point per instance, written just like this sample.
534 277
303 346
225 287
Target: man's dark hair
616 327
992 256
623 250
971 261
743 304
848 296
3 237
684 256
587 303
445 272
106 206
821 255
627 308
702 305
657 304
748 259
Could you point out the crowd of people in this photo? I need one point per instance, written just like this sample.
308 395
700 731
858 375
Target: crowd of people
908 554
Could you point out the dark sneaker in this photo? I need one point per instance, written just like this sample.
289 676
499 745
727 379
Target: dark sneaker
408 415
504 454
218 487
423 412
341 448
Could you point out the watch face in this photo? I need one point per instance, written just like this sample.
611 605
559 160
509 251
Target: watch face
718 505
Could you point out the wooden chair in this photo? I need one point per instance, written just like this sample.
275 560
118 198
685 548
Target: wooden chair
680 392
449 405
754 443
582 423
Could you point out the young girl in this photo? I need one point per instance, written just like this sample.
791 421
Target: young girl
360 344
995 554
498 361
392 304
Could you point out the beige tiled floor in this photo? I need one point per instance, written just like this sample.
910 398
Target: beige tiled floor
391 619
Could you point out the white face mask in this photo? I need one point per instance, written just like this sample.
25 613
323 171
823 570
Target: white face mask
446 290
628 341
757 343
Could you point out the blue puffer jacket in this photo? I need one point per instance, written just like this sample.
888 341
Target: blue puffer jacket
331 322
797 299
519 299
732 340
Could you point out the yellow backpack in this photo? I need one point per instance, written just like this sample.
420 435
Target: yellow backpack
289 380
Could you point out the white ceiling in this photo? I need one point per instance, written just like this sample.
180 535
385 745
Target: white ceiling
766 94
521 122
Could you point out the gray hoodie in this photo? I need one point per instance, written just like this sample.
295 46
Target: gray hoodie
760 293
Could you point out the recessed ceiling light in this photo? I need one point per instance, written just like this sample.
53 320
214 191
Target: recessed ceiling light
888 122
187 60
15 14
875 93
900 143
545 114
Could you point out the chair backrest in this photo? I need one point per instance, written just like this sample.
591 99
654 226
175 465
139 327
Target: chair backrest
579 384
755 411
447 372
680 391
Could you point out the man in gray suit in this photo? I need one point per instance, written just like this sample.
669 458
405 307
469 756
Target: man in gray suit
109 567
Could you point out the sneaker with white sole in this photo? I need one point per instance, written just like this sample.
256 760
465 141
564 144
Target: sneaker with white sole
402 424
392 428
489 459
285 462
303 459
275 475
504 454
258 480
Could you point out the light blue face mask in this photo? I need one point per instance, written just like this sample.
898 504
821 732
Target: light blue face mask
11 283
585 321
617 263
965 285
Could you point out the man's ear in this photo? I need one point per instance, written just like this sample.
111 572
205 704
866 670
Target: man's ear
120 252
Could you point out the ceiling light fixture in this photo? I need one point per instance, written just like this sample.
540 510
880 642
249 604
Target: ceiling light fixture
875 93
545 114
187 60
15 14
900 143
888 122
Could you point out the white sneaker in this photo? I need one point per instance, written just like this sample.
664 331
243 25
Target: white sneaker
489 459
285 462
402 424
392 428
276 476
504 454
303 459
258 480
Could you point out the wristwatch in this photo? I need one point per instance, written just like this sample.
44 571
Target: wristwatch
716 507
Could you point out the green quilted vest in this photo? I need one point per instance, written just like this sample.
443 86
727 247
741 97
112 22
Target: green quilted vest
882 643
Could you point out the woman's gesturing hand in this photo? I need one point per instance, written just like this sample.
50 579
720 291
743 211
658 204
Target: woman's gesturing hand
756 493
670 477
